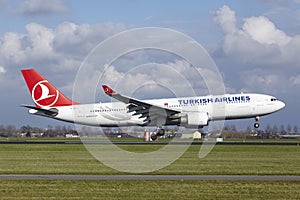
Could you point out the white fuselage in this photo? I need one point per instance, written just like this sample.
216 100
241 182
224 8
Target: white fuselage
231 106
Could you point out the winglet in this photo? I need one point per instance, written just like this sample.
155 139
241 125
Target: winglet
108 90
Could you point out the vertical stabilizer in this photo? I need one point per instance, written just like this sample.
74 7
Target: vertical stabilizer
43 93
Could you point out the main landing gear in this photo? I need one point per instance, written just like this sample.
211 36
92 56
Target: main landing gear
256 124
158 132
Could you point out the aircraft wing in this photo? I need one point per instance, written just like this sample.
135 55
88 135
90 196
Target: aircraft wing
137 107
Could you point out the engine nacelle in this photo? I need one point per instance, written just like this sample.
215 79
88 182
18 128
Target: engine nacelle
195 119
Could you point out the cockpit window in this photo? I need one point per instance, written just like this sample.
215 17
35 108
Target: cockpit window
273 99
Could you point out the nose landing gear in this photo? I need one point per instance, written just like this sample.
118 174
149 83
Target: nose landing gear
256 124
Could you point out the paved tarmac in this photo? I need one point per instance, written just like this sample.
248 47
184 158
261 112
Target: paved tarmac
150 177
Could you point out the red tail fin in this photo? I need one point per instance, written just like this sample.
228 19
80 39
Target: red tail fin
43 93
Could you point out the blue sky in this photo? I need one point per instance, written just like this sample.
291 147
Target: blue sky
255 44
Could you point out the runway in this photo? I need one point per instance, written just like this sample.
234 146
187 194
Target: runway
150 177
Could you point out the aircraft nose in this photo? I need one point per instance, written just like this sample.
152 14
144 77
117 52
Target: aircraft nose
281 105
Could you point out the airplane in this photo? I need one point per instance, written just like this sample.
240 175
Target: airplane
184 111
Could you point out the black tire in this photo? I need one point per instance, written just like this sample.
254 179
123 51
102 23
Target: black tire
153 137
160 132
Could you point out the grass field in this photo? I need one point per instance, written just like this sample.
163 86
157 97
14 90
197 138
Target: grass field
74 159
36 189
227 159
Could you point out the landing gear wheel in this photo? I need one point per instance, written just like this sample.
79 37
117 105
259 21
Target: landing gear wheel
256 125
153 137
160 132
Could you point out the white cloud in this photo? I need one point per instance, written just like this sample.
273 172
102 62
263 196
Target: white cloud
35 45
63 47
39 40
258 41
264 31
225 17
11 47
80 39
37 7
262 55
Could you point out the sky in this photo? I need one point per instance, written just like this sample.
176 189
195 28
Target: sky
255 45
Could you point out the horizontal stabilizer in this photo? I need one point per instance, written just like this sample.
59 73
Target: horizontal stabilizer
52 112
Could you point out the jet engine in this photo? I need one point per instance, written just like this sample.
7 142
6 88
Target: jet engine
192 119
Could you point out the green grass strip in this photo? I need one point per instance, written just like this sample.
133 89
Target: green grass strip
33 189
